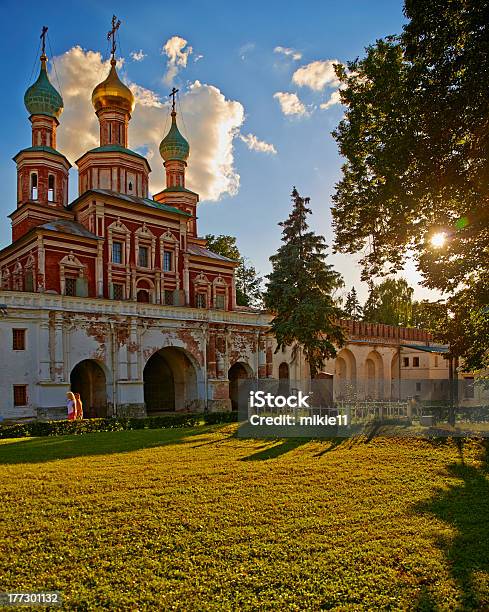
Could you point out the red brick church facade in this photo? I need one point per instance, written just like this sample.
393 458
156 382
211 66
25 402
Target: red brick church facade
113 241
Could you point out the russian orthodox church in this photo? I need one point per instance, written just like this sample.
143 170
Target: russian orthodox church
126 304
114 295
112 241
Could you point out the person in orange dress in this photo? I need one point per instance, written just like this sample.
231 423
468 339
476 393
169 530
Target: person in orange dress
71 405
78 406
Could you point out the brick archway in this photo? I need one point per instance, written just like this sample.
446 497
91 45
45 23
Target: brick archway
88 379
170 381
238 372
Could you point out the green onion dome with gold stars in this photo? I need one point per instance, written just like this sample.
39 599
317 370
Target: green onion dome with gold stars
42 98
174 146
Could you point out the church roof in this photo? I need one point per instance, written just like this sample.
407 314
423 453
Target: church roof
177 188
112 93
64 226
113 148
41 149
437 348
42 98
195 249
134 199
174 146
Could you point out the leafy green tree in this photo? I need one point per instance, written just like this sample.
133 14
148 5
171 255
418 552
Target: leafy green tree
389 302
353 308
476 333
415 142
248 282
223 245
432 316
467 330
249 290
300 291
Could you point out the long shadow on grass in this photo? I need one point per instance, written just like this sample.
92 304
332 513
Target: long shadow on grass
52 448
331 445
272 452
465 507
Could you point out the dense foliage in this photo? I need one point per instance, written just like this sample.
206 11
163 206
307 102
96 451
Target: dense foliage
300 291
415 138
389 302
63 427
248 282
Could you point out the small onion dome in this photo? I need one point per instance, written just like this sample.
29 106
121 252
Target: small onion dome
42 98
112 93
174 146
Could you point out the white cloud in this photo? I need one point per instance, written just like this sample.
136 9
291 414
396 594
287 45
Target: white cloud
145 97
290 103
211 124
138 56
255 144
333 99
177 55
317 75
295 55
245 49
197 58
79 71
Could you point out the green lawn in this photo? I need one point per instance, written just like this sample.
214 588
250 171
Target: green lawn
196 519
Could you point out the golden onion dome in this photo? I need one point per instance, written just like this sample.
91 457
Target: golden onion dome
112 93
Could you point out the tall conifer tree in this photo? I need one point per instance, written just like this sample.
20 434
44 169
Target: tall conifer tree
353 308
300 291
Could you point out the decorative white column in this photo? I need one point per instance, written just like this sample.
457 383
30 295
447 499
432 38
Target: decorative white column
132 350
186 279
99 270
41 266
233 293
59 365
44 356
177 269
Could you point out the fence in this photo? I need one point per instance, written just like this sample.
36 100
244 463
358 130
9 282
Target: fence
361 411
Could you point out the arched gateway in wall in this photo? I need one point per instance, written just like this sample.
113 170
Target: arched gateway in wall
345 374
88 379
374 370
237 373
170 381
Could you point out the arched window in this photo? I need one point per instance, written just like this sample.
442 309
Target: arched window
51 188
284 379
129 187
34 186
283 371
110 133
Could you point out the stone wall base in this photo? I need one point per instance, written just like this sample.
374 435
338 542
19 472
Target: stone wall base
196 405
56 413
219 405
129 411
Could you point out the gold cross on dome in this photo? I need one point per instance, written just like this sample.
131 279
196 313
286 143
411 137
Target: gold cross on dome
111 33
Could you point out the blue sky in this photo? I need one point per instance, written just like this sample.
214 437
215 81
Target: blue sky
236 42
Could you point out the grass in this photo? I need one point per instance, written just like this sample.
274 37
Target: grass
196 519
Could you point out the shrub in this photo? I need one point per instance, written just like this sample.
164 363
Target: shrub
213 418
59 428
